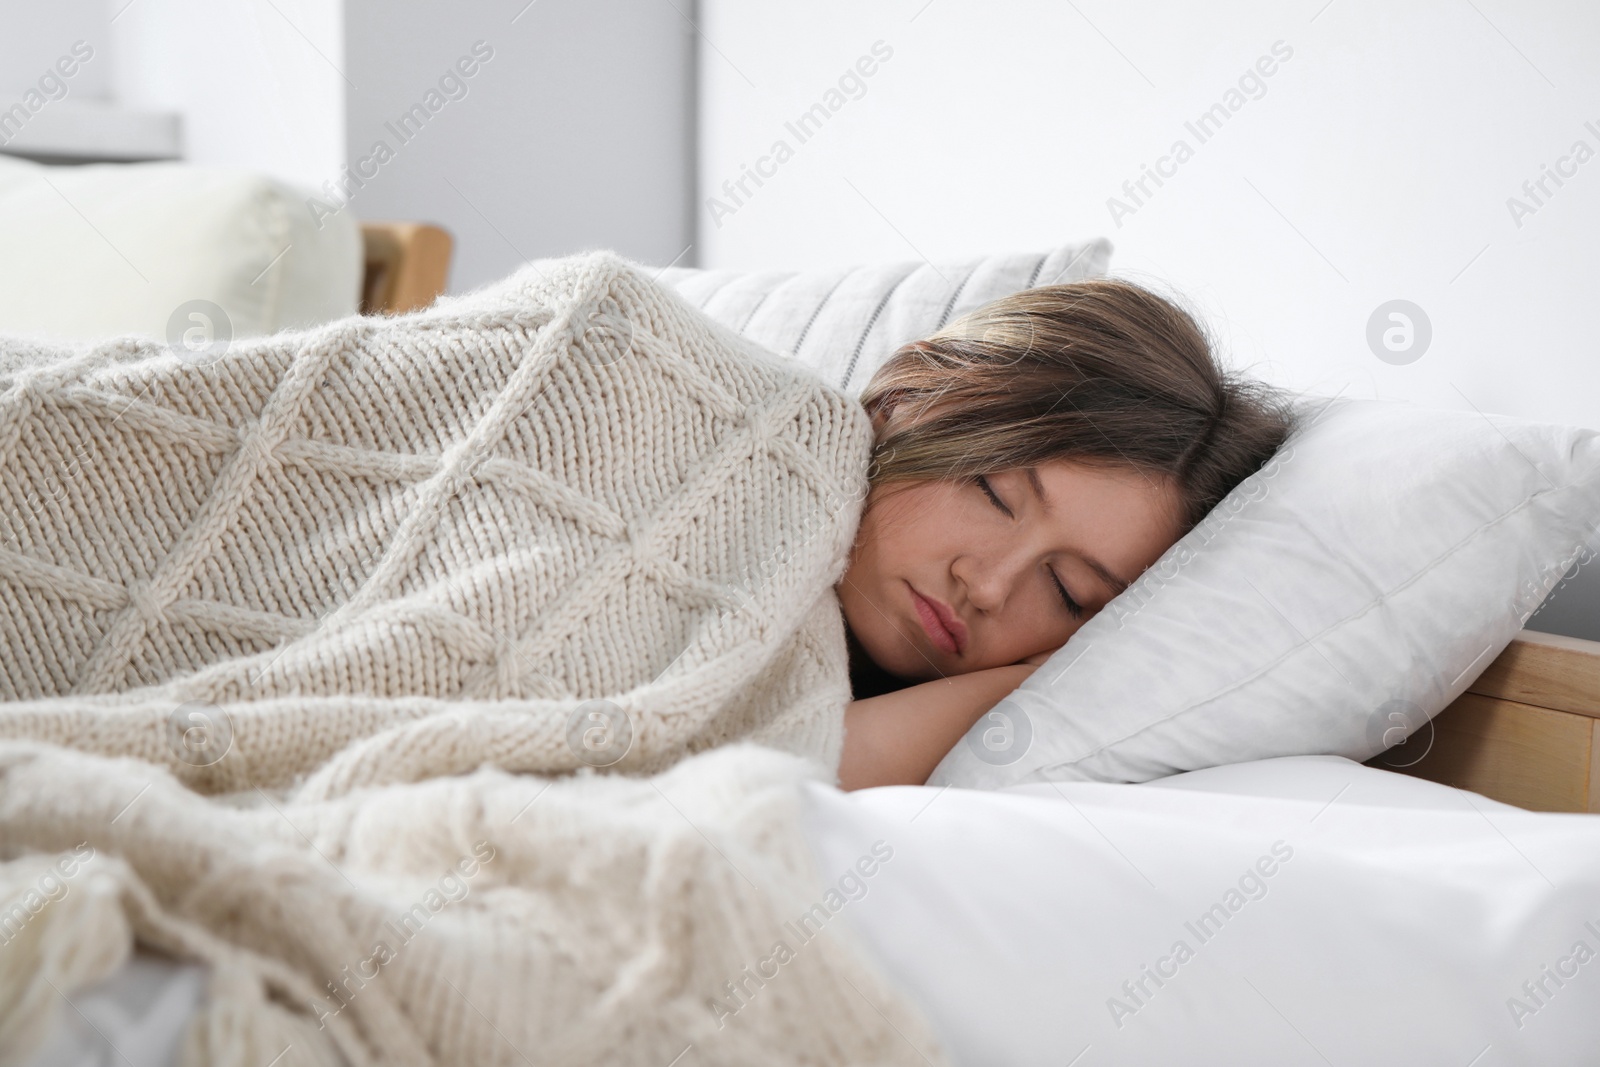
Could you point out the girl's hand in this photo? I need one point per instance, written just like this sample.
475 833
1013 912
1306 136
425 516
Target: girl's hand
1039 657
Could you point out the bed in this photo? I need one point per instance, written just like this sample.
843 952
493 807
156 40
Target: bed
1303 910
1523 736
1526 733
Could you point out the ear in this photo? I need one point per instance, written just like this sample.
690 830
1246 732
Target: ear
881 413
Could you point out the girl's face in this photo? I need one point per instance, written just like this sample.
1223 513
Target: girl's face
991 567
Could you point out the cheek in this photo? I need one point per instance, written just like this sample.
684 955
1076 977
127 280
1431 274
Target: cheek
874 552
1023 631
906 525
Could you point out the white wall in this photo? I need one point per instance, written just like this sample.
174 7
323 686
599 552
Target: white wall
259 85
1377 165
36 35
576 134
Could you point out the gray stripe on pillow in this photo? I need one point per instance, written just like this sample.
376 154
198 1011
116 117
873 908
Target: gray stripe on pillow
799 342
954 296
1037 267
762 299
850 368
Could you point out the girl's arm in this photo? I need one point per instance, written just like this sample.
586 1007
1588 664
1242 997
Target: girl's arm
900 737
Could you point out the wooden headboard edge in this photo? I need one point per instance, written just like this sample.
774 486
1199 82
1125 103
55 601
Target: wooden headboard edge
1547 671
407 266
1526 732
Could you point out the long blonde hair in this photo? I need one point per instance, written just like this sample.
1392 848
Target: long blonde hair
1101 372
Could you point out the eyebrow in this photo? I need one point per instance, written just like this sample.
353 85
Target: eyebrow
1115 584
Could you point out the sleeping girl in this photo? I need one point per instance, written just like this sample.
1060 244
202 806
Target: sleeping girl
1030 461
397 530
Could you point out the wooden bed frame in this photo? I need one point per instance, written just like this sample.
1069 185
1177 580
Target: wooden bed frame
407 266
1527 732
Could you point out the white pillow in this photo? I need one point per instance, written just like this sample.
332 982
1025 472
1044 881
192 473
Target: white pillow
1365 576
116 248
845 323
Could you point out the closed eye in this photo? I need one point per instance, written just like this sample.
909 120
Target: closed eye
988 490
1073 607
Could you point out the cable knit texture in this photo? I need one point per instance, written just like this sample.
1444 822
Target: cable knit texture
434 535
388 583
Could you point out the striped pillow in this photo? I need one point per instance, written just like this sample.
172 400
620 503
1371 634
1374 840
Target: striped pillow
845 323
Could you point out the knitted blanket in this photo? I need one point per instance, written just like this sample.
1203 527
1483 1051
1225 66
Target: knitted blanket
385 586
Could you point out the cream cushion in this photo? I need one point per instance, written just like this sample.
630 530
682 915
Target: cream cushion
116 248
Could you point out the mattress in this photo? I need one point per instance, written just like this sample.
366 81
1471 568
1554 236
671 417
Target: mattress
1305 910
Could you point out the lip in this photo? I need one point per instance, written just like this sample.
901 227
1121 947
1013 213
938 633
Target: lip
940 623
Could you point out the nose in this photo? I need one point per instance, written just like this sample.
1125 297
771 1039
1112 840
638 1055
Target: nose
990 575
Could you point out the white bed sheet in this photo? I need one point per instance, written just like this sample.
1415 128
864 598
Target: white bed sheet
135 1018
1397 926
1397 931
